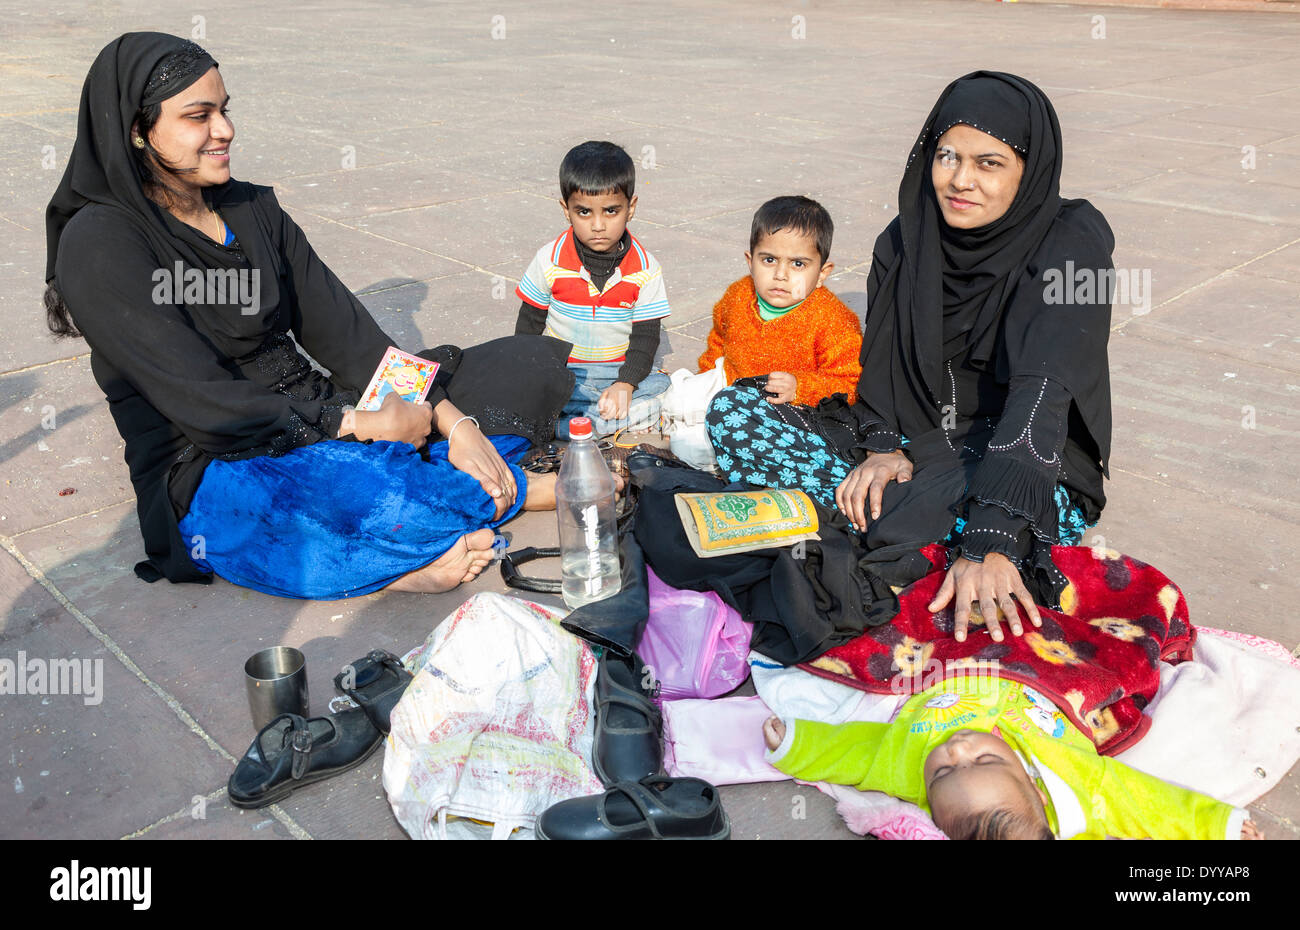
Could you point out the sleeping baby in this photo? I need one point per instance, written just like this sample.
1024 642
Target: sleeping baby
990 758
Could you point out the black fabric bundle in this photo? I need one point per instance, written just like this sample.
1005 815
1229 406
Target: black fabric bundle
800 607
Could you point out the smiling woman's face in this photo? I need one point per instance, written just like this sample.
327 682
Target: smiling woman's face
975 177
193 134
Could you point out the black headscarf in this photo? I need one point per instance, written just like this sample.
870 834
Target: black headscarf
948 291
135 70
124 78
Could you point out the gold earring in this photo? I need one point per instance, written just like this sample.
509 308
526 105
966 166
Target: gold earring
138 141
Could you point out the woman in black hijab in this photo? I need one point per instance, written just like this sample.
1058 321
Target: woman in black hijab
983 410
187 285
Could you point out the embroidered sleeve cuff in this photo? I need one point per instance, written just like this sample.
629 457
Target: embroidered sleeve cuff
883 441
1019 491
992 529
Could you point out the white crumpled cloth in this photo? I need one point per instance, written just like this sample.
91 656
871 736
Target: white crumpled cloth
496 725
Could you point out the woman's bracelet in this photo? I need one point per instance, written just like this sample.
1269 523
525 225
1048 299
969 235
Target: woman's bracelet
452 431
348 414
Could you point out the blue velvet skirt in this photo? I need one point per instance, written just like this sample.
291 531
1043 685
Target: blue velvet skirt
337 519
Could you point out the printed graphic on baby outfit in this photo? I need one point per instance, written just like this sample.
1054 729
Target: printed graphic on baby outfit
1045 714
950 711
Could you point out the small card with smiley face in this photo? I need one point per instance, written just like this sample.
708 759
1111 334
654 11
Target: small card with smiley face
408 376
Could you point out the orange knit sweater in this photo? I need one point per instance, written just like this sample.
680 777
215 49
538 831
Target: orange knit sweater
819 343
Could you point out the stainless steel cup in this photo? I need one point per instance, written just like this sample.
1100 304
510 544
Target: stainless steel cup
276 680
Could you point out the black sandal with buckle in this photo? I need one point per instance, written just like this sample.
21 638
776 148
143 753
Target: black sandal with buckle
378 682
292 752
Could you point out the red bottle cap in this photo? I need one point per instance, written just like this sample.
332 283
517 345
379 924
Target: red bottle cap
579 427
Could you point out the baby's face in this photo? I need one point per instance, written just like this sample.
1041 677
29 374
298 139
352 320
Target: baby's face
975 771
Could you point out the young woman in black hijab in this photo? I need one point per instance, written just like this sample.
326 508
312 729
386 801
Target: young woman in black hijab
983 410
187 285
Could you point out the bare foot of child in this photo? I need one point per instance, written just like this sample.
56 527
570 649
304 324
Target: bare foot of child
540 494
541 490
1251 832
773 732
467 556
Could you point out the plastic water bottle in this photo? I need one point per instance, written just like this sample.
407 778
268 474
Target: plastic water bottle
585 506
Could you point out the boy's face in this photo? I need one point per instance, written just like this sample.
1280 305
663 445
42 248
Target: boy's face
786 267
598 220
974 771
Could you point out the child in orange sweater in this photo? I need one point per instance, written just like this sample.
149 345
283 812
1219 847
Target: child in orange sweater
782 323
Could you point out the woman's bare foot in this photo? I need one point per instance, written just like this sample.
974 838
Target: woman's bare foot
467 556
773 732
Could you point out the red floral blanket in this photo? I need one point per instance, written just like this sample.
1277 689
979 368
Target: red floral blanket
1097 656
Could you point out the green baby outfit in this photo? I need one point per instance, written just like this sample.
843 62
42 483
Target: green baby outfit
1089 796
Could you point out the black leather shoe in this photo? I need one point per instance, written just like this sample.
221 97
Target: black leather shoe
293 752
628 743
655 808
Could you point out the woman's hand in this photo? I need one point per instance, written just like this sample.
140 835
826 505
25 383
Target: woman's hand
471 452
996 584
396 420
781 387
866 484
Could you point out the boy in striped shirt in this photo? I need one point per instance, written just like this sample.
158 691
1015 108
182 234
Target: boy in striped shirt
598 288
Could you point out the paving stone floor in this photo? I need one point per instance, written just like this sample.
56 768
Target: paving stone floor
417 145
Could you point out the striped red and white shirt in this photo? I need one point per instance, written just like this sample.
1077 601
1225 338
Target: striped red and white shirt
598 323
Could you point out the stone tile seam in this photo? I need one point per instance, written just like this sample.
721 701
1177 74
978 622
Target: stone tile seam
1119 133
1276 815
1110 191
1190 489
395 161
77 516
44 129
436 277
1210 280
1209 211
39 365
274 810
448 203
383 238
109 643
289 176
1221 351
